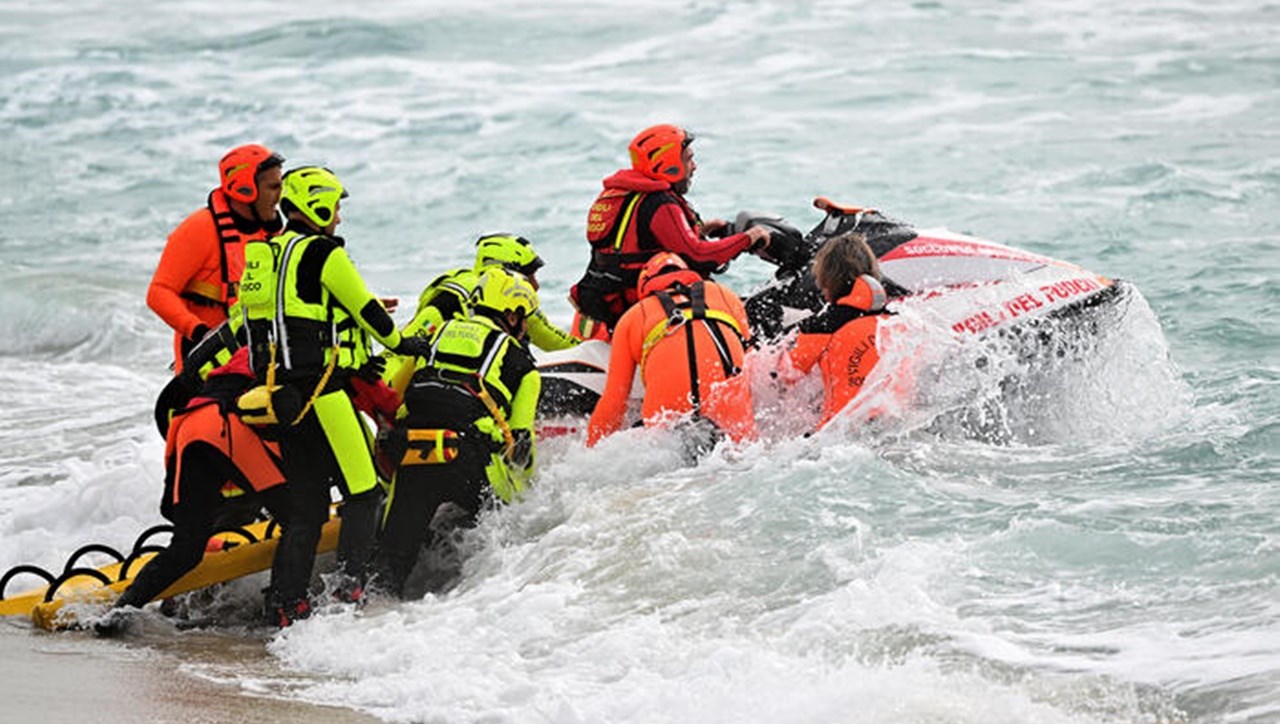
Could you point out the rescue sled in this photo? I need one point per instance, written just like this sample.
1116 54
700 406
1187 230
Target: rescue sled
231 554
962 285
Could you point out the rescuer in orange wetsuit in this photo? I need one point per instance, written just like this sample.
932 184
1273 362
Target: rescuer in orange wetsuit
689 337
196 280
213 459
841 339
642 211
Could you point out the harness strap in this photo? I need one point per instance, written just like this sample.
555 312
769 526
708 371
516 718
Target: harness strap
633 200
691 351
431 446
224 223
492 345
281 329
678 314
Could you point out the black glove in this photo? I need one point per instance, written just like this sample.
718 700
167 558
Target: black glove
371 371
790 251
413 346
391 445
198 333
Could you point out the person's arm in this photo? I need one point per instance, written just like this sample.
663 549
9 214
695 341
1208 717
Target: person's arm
671 228
399 367
340 277
185 253
548 337
802 356
611 409
524 408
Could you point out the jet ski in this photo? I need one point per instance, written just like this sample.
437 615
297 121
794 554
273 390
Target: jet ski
958 284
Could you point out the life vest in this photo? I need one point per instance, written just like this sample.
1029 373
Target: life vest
467 354
619 233
207 424
619 229
222 291
841 340
692 309
292 320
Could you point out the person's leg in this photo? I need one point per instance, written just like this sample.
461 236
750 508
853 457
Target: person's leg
350 446
306 502
415 495
464 492
192 524
356 543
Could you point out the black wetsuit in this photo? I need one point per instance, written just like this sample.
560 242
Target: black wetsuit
194 519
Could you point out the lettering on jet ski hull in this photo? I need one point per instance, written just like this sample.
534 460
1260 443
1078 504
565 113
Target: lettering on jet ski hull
1027 303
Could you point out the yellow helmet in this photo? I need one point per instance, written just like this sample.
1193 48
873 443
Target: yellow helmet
499 291
314 192
509 251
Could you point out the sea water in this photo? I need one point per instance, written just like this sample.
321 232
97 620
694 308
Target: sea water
1112 559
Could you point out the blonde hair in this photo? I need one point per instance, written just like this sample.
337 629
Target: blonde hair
840 261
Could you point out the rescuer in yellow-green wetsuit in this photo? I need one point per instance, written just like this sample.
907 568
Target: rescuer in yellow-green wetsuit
446 297
464 434
309 319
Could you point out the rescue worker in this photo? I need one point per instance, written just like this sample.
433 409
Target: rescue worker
840 339
309 318
465 431
196 281
446 297
641 212
208 447
689 337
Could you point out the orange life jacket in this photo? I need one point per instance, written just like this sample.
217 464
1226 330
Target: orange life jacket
257 460
223 288
842 342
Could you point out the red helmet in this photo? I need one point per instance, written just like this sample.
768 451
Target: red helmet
661 271
657 152
238 170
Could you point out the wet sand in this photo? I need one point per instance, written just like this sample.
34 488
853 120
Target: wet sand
76 678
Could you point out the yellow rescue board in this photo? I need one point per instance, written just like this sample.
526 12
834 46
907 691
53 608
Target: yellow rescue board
217 566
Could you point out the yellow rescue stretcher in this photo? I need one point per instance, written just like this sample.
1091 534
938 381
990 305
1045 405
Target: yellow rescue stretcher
230 554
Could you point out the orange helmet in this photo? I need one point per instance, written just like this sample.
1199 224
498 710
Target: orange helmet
657 152
238 170
661 271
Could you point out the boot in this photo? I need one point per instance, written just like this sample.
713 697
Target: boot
283 615
115 621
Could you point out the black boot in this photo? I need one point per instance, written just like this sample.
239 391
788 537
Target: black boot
282 614
115 621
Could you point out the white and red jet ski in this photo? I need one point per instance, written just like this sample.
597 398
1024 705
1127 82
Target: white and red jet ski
957 284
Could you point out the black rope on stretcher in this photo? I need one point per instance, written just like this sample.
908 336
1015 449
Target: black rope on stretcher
137 553
91 548
19 570
75 573
272 528
140 548
146 534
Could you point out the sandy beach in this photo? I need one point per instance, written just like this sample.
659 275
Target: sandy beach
74 677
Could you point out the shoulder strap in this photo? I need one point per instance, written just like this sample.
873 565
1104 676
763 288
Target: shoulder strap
693 309
224 222
624 221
